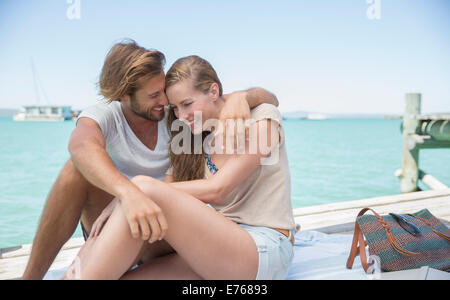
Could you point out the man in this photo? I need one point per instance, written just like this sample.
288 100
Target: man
112 143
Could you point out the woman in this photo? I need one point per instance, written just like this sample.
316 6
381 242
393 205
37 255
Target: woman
248 234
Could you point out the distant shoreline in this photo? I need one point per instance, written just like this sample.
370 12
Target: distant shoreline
348 118
7 112
290 116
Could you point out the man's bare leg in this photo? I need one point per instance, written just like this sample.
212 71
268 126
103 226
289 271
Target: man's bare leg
70 198
97 200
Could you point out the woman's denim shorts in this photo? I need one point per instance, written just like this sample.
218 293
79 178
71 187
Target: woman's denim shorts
275 252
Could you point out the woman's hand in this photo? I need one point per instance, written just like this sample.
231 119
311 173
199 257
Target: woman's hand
101 220
144 216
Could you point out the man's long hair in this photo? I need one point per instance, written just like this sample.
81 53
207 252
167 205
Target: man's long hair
126 67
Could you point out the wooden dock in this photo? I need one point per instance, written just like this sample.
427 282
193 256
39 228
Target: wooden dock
329 218
420 132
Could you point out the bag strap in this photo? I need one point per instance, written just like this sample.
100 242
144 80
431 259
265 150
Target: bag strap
446 237
359 245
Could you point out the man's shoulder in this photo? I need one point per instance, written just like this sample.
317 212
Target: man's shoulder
104 114
101 108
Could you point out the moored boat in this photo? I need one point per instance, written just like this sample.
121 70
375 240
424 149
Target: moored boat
46 113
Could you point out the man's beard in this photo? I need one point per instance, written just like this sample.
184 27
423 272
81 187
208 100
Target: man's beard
148 115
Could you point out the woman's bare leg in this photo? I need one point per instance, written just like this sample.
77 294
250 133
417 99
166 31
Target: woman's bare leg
72 272
147 253
169 267
212 245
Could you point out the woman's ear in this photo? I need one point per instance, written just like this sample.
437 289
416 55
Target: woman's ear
214 91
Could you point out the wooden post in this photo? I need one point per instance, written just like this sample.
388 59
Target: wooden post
410 160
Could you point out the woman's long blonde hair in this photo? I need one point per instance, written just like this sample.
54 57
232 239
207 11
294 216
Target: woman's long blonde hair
188 167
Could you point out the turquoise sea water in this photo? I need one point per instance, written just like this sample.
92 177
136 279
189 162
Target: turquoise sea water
330 161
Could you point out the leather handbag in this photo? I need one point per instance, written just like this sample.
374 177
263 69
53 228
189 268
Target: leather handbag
401 242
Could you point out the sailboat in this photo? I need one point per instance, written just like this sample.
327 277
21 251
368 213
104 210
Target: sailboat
317 117
43 113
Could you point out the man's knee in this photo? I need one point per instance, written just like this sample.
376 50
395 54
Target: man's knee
79 191
75 181
71 176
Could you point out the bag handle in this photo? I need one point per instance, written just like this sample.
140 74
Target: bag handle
359 245
358 248
445 237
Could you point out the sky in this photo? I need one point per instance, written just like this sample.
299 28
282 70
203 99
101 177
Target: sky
346 56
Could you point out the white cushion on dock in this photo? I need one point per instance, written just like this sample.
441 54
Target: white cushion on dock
323 256
55 274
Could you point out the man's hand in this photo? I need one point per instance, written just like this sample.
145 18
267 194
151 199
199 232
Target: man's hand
237 110
236 107
145 218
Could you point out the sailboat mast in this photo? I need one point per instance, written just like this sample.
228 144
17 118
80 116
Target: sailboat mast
36 88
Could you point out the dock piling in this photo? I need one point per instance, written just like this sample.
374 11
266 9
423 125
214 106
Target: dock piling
410 160
420 132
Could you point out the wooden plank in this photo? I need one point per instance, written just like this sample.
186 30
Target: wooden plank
433 144
13 268
14 260
371 202
25 250
433 117
323 221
